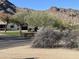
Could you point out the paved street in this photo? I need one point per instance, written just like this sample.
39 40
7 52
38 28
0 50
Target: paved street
8 42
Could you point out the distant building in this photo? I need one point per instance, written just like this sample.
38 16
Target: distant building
12 26
2 25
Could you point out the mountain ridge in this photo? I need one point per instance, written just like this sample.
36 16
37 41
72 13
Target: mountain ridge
70 15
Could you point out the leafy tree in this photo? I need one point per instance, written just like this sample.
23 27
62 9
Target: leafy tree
19 19
5 18
44 19
39 19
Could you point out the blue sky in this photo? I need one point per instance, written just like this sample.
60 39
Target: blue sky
45 4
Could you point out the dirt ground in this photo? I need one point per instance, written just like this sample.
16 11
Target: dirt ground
23 52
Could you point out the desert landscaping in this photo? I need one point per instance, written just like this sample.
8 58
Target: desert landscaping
36 29
16 48
26 52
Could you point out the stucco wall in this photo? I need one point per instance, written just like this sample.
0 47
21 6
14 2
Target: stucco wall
12 26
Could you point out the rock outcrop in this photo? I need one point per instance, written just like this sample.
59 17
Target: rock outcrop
69 15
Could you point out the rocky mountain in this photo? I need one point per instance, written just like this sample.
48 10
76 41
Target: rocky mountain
7 7
69 15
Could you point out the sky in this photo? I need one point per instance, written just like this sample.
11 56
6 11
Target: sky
45 4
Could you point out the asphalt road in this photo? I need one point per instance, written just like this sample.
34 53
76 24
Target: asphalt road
8 42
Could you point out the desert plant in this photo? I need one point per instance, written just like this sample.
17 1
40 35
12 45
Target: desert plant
46 38
57 23
39 19
49 38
